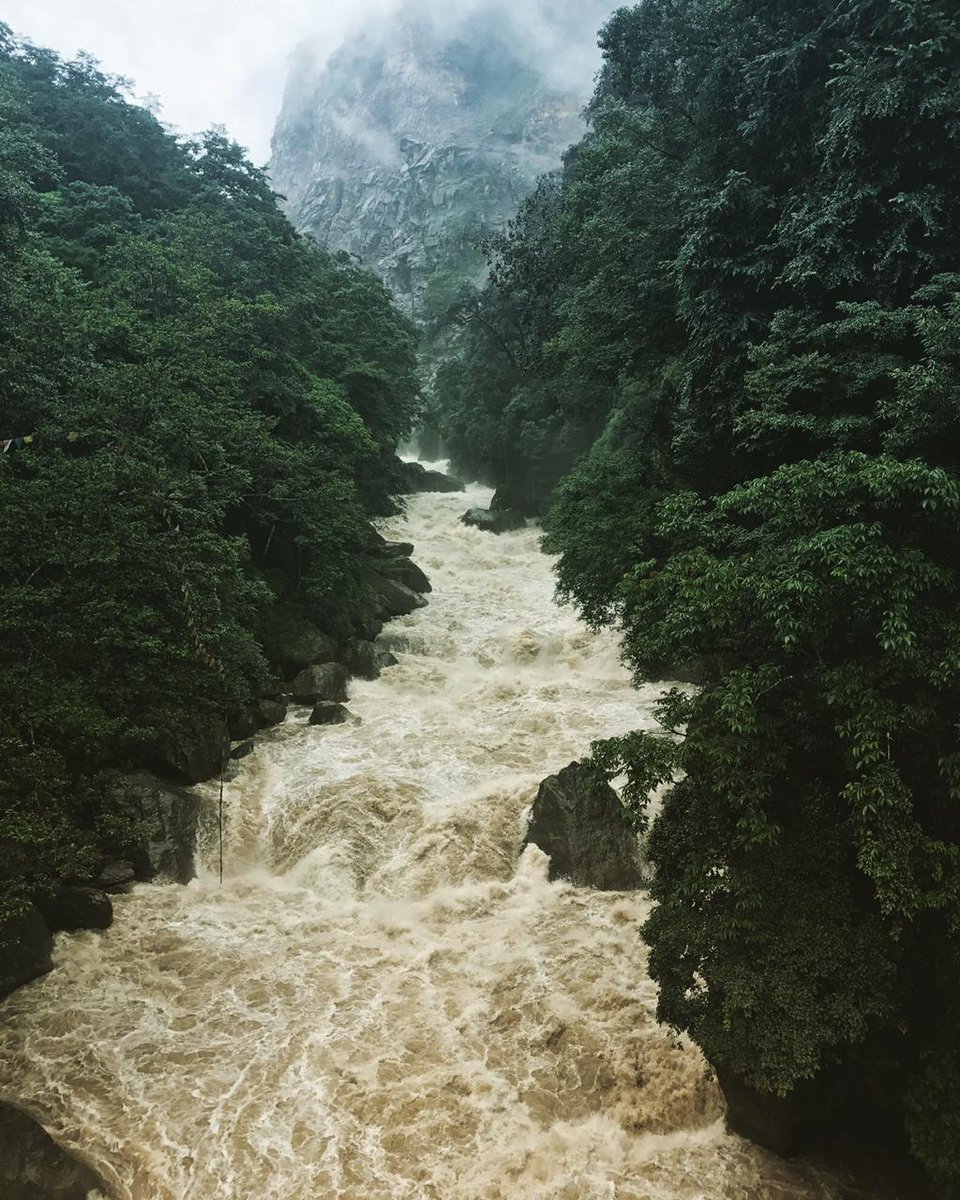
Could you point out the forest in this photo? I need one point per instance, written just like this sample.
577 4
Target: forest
719 353
199 416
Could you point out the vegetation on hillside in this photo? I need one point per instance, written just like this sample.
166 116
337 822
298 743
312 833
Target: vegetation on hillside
730 327
203 409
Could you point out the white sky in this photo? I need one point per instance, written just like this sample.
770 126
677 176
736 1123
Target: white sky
208 61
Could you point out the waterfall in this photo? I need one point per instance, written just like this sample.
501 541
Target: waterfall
385 1000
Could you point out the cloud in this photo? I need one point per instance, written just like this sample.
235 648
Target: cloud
210 62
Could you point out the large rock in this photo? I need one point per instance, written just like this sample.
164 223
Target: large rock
196 752
581 824
171 815
366 659
291 642
524 495
499 521
328 713
417 478
397 599
408 573
25 950
270 711
326 682
34 1167
243 723
787 1125
72 908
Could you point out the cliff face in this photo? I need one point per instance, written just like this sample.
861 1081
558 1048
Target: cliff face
421 136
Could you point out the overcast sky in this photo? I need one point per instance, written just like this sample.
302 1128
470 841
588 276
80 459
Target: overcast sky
210 62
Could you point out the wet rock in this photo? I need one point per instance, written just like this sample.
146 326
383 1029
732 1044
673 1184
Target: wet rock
580 823
326 682
270 712
25 948
522 495
244 750
243 723
196 752
328 713
291 642
366 659
171 815
416 478
396 549
499 521
783 1124
34 1167
72 908
117 876
397 599
408 573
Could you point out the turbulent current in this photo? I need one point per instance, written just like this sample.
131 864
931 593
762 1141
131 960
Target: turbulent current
385 999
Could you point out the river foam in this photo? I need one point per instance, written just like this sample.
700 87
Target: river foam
386 1000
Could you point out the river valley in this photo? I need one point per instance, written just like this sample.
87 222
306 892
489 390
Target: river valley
385 1000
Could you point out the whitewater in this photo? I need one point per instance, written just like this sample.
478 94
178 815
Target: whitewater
386 999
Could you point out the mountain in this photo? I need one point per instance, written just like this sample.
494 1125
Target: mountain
423 133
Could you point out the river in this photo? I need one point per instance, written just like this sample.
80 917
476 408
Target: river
385 1000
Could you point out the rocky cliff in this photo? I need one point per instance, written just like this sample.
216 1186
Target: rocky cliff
423 133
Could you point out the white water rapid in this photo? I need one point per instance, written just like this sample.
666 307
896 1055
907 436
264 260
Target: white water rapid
385 1001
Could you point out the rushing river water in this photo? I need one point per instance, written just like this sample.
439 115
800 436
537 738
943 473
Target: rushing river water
385 1000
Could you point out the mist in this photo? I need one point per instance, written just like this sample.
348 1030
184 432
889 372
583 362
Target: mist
206 65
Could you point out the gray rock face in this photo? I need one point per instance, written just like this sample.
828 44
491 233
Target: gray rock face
325 682
408 573
328 713
34 1167
501 521
243 724
171 815
270 712
397 599
581 825
291 642
366 659
117 876
418 479
25 948
423 133
73 908
196 753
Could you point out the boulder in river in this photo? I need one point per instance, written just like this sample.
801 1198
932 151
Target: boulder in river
395 597
171 815
328 713
270 711
34 1167
25 950
580 823
291 642
243 723
72 908
325 682
196 751
366 659
407 572
416 478
499 521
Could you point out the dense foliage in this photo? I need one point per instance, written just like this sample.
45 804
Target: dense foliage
205 408
742 293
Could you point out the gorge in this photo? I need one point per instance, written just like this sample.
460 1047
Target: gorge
385 998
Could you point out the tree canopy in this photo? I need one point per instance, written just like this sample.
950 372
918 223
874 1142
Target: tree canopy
733 376
199 411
